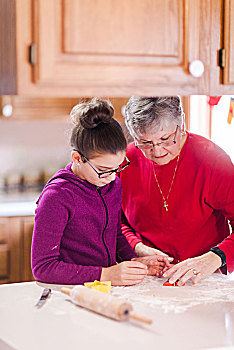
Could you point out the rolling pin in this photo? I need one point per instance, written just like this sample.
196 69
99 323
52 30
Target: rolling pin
103 304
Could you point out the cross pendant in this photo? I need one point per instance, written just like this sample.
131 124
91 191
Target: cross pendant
165 205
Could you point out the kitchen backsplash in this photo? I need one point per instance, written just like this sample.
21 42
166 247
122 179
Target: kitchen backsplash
30 152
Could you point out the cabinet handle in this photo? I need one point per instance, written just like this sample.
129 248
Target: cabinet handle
196 68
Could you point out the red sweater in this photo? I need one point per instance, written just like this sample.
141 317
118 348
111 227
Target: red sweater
200 203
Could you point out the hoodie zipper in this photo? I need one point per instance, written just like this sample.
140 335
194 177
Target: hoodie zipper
108 254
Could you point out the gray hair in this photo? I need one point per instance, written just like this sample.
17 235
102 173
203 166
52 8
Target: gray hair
149 113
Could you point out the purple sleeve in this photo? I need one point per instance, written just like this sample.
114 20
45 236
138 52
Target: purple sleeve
123 250
50 221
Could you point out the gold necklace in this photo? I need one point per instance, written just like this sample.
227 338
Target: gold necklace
165 205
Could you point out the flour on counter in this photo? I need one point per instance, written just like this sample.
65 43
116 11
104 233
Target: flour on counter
151 291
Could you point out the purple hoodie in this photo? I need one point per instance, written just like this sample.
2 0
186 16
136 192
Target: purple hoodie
77 230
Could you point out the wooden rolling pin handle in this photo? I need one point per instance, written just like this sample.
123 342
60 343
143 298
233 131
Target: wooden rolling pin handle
66 290
139 318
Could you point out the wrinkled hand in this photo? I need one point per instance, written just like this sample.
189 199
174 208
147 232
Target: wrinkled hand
156 264
193 269
143 250
125 274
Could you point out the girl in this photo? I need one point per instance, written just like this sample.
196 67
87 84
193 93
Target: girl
77 235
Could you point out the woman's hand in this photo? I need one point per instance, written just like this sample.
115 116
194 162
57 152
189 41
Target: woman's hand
194 269
156 264
124 274
143 250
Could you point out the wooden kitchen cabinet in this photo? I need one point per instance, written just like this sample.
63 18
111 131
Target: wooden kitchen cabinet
112 47
222 64
119 48
15 249
109 47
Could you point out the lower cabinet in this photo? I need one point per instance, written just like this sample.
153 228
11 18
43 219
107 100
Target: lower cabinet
15 249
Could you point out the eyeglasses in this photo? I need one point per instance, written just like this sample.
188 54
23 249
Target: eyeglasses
104 174
150 144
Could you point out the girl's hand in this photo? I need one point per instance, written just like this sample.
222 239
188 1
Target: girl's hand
156 264
193 269
143 250
124 274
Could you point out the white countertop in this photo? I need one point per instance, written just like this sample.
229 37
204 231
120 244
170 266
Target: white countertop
190 317
17 209
21 204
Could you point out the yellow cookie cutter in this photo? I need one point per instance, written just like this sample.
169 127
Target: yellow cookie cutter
103 287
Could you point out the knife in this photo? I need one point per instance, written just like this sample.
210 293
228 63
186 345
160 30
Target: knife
45 294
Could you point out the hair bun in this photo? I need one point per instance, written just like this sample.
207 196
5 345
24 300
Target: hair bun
92 113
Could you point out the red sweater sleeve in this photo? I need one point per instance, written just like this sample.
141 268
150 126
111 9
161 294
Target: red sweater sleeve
221 197
132 237
124 248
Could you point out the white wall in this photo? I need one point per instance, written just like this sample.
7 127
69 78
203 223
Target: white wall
199 122
221 132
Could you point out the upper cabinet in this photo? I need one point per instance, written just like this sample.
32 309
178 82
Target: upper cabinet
120 48
110 47
222 34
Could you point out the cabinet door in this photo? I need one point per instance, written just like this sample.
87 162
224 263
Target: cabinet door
228 72
4 250
11 247
222 38
15 249
4 262
113 48
27 238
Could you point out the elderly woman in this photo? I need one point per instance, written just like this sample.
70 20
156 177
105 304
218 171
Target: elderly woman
178 192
